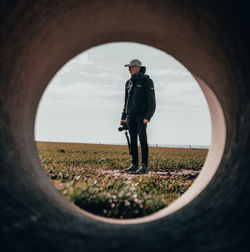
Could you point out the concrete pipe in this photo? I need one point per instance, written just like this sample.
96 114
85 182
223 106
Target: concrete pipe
210 38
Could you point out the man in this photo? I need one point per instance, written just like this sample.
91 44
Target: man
138 109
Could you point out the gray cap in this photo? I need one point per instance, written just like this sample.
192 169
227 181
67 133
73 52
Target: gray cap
134 62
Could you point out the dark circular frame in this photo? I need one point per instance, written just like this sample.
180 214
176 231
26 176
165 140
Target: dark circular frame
39 37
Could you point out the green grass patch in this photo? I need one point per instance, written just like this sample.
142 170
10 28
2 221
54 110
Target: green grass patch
77 170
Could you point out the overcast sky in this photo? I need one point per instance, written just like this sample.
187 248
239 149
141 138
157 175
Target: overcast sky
84 100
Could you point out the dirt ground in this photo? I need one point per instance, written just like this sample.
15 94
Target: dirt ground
185 173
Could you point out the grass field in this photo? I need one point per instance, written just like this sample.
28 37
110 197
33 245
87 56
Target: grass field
90 176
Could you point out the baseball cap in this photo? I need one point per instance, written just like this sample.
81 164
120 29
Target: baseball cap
134 62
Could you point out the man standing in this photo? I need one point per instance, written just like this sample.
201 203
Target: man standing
138 109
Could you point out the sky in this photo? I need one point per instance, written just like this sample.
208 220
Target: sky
84 100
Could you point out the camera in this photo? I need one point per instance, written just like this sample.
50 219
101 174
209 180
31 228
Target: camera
123 127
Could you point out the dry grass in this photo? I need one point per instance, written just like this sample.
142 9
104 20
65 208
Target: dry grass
89 175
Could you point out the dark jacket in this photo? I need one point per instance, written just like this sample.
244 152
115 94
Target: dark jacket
139 96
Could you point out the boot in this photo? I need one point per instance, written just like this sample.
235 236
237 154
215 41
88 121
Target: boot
143 169
132 168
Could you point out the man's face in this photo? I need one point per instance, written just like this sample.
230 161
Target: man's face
134 69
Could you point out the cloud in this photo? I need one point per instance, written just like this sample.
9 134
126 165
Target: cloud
105 68
83 93
168 72
108 75
183 95
93 83
81 59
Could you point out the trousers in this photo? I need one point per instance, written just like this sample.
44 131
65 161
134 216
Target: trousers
136 128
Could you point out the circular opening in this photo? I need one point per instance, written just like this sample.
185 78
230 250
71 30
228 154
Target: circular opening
212 98
201 37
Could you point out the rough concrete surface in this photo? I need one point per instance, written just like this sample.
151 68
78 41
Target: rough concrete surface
210 37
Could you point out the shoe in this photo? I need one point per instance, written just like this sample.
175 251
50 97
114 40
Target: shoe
143 169
132 168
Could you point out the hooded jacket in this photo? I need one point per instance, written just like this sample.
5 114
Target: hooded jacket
139 96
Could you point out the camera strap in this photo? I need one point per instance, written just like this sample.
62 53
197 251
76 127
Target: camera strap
129 146
130 85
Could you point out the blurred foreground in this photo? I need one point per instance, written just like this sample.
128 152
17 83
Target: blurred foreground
90 175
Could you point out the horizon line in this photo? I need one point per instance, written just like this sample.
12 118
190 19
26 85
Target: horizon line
185 146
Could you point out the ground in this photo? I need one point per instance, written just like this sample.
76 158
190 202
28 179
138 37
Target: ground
92 177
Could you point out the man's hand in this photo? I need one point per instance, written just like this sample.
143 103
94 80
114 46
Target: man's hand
122 122
146 121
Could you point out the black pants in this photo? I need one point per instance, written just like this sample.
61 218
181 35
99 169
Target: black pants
136 127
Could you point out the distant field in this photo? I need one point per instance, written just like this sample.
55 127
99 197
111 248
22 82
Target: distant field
90 176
